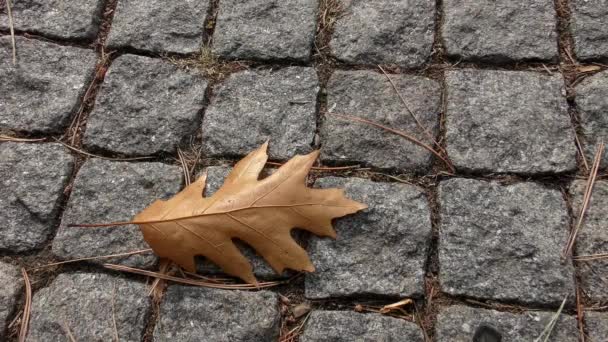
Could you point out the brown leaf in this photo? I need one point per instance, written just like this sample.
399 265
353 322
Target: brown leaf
259 212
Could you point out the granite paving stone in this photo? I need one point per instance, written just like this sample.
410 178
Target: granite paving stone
159 26
379 251
32 180
592 104
589 26
508 121
384 32
192 313
55 18
592 238
41 92
88 304
461 324
266 29
109 191
346 326
503 242
596 324
10 287
369 95
253 106
500 31
145 106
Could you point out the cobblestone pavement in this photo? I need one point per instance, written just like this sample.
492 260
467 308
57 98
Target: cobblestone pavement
515 92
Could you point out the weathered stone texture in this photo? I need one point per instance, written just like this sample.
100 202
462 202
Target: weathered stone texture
346 326
145 106
589 26
384 32
159 26
379 251
253 106
500 31
41 92
592 104
32 180
194 313
508 121
88 304
503 242
266 29
596 324
10 287
108 191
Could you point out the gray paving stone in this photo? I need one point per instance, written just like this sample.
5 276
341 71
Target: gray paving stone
255 105
44 89
266 29
589 26
592 103
500 31
508 121
107 191
145 106
384 32
596 324
503 242
380 251
370 95
159 26
55 18
460 324
346 326
88 304
592 238
32 180
11 285
189 313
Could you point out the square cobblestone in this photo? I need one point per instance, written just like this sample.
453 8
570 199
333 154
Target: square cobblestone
508 121
253 106
461 324
32 180
41 92
596 324
396 32
589 26
88 304
108 191
503 243
369 95
500 31
592 238
592 104
159 26
347 326
266 29
379 251
55 18
194 313
11 285
145 106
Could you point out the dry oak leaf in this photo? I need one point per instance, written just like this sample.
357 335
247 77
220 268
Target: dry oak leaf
259 212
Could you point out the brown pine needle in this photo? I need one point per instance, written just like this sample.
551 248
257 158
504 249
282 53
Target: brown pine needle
25 320
15 139
186 170
590 257
68 332
580 313
194 282
107 256
12 29
396 132
116 338
98 156
586 199
323 168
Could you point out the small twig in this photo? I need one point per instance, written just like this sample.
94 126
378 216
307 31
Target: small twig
25 320
587 198
93 258
68 332
12 29
546 333
98 156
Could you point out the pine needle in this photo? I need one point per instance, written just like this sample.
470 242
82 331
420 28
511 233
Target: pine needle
25 320
12 29
546 333
107 256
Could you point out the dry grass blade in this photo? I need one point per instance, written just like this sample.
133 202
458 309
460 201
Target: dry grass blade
98 156
586 199
590 257
194 282
25 320
107 256
399 133
14 139
68 332
546 333
11 26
